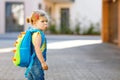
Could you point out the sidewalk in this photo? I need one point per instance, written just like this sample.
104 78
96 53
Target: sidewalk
98 61
14 35
9 36
90 62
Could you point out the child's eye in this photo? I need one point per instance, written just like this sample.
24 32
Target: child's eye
44 21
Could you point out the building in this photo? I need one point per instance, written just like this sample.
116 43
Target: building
111 21
14 12
59 12
62 13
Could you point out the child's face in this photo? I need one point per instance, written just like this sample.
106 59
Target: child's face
42 23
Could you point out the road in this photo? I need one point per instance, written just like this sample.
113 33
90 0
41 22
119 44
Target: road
69 58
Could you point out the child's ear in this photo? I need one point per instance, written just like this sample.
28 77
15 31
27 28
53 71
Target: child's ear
34 23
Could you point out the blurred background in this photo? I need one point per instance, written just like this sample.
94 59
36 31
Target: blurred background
66 16
81 17
81 33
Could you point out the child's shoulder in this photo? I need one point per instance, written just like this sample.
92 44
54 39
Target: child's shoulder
35 34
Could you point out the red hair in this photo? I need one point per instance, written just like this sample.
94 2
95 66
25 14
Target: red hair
36 16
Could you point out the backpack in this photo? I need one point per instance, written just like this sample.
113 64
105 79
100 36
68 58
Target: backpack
23 52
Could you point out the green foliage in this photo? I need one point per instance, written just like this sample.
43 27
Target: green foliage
91 31
66 30
77 28
52 29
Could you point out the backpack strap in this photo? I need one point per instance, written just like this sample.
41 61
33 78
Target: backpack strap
30 66
33 55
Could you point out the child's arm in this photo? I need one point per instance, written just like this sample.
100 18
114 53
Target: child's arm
37 42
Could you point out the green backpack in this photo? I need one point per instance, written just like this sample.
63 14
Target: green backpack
24 48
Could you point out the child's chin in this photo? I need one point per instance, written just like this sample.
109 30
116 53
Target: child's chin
46 28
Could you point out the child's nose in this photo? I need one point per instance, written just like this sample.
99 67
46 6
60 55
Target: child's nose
45 22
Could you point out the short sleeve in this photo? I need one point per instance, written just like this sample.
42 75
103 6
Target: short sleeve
34 36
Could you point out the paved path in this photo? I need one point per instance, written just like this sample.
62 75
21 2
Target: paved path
86 62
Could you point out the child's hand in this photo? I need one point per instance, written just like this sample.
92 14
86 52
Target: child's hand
44 66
